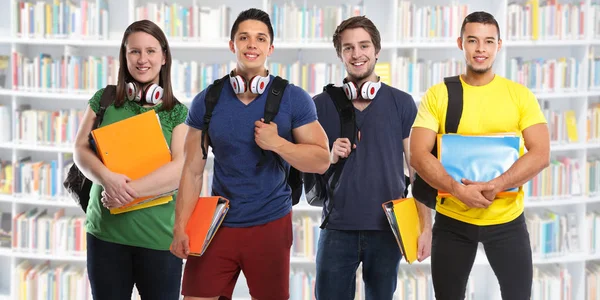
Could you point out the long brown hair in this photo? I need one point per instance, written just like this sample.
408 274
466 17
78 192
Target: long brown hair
169 101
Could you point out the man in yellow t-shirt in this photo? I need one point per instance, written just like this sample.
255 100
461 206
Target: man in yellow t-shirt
473 214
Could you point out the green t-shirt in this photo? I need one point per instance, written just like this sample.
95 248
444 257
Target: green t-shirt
149 227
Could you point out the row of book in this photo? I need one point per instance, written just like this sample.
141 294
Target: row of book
43 127
562 125
68 73
546 20
593 123
428 23
41 231
189 22
62 19
592 172
546 75
293 22
416 76
39 179
552 283
552 234
592 281
6 177
561 178
306 232
47 281
592 219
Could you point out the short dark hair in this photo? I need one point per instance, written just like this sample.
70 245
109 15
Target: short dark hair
252 14
356 22
479 17
168 99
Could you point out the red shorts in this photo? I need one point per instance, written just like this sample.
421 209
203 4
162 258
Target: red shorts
262 252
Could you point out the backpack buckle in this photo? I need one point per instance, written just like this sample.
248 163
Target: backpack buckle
275 91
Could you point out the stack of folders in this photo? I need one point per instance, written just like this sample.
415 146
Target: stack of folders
134 147
204 222
404 219
477 157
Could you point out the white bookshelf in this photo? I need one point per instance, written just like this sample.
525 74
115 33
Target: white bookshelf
385 14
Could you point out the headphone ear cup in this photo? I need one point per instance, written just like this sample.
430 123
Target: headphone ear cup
258 84
350 90
153 93
131 91
238 83
368 89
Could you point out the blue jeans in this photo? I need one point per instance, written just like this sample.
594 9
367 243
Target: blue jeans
113 269
339 254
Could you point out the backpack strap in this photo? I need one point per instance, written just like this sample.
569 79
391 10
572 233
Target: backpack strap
212 97
274 98
108 96
345 110
455 103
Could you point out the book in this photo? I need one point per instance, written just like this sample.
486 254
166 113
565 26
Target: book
478 157
134 147
404 220
204 222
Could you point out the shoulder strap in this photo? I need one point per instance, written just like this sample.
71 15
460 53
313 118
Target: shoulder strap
271 109
455 103
108 96
274 98
212 97
348 130
345 110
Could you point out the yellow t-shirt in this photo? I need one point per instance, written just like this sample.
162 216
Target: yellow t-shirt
500 106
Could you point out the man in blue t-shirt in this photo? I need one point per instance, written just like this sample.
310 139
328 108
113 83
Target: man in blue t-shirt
256 235
357 230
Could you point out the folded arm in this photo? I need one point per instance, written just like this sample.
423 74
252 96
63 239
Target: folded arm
537 142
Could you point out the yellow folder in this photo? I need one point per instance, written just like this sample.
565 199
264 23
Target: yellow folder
134 147
404 220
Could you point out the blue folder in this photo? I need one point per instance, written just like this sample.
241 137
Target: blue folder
478 158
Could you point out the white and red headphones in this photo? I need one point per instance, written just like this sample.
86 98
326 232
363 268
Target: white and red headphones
368 90
257 85
150 95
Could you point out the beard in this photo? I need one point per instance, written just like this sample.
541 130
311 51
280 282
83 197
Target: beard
479 70
359 77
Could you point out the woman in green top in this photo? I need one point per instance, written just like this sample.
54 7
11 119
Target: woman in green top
133 247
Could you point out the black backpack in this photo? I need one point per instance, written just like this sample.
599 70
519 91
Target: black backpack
421 190
76 184
275 93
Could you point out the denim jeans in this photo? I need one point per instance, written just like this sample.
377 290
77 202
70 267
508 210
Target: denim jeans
113 269
338 256
453 250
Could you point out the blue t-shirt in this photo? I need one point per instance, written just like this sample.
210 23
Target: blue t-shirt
374 172
257 194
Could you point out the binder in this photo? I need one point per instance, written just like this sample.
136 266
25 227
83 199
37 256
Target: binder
404 220
134 147
204 222
478 157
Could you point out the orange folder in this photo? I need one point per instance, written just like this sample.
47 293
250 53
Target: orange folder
403 216
134 147
204 222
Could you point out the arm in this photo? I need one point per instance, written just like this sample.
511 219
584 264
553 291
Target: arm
309 154
191 178
431 170
537 142
166 178
424 211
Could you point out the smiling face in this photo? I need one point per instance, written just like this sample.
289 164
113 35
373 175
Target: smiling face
251 46
358 54
480 44
145 57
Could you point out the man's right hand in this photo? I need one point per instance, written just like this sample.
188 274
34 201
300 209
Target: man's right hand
472 194
341 148
180 246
